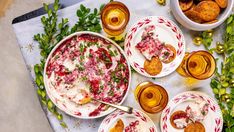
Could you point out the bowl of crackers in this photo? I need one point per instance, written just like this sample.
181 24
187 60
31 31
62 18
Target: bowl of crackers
200 15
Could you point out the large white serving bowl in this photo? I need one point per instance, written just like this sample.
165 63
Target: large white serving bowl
186 22
59 105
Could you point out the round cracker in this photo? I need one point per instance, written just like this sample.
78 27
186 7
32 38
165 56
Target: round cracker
210 22
222 3
195 127
208 10
193 15
153 67
185 5
171 48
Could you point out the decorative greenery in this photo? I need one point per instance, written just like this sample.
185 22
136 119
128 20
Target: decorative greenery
205 38
223 82
53 33
88 21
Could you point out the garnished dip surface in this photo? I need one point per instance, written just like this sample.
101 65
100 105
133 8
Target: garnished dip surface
198 110
84 67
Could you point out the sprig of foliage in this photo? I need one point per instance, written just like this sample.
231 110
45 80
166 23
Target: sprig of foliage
207 38
223 82
229 35
88 21
47 40
53 33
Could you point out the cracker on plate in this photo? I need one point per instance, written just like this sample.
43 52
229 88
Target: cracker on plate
195 127
153 66
119 126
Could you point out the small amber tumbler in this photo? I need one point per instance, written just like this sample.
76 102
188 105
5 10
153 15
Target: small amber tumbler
151 97
115 17
198 64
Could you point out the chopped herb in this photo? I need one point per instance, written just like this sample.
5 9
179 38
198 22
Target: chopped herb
125 80
112 53
81 57
111 93
84 78
101 87
90 56
109 46
116 52
56 57
80 68
82 47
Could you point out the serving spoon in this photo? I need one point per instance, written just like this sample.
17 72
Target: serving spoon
88 99
126 109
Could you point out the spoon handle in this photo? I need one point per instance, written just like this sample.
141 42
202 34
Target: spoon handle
126 109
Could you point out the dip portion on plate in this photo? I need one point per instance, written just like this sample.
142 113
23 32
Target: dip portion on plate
89 63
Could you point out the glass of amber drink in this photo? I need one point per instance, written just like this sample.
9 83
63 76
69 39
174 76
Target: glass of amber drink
151 97
115 17
198 64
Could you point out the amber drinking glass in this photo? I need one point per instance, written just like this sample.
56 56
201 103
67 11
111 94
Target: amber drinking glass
115 17
198 64
152 98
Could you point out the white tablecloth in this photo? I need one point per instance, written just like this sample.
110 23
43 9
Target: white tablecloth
173 83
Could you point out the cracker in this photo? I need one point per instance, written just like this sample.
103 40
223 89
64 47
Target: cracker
208 10
210 22
119 126
153 67
195 127
193 15
170 59
222 3
185 5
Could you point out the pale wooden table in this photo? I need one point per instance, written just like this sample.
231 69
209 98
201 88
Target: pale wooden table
20 108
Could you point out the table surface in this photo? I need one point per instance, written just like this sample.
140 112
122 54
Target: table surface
20 108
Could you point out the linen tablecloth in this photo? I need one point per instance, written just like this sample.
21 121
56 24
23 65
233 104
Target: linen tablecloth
173 83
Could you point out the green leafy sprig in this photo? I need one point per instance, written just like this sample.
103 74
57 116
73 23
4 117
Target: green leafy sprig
223 82
53 33
88 21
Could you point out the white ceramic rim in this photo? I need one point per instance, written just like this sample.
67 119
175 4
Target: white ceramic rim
150 120
95 34
219 22
197 93
183 40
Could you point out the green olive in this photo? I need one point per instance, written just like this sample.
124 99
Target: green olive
217 43
227 96
219 48
161 2
197 41
209 31
228 100
210 34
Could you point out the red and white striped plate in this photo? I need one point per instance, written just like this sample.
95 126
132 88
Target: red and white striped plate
167 31
213 121
135 122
